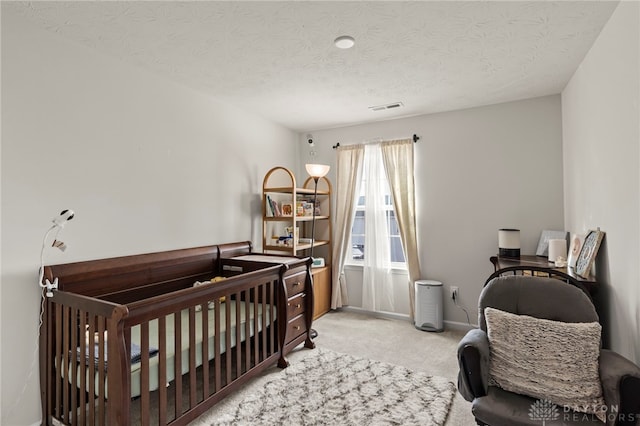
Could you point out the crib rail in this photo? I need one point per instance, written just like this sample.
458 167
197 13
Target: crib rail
204 372
68 380
201 352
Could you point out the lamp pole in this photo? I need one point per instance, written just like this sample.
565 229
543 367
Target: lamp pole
316 171
313 220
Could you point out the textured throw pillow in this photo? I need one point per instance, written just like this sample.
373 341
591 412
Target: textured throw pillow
545 359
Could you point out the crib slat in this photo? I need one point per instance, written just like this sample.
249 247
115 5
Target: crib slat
216 345
177 318
101 372
238 351
266 313
127 348
74 330
58 358
192 357
118 375
227 342
256 346
162 366
51 370
247 331
92 370
272 315
65 363
275 288
205 351
144 373
263 287
82 327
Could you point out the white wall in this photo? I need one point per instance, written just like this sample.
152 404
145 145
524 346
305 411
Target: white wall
601 132
147 165
478 170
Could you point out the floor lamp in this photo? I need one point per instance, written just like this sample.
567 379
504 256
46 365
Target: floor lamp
316 171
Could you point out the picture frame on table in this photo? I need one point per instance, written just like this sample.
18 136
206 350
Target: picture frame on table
574 249
588 252
545 236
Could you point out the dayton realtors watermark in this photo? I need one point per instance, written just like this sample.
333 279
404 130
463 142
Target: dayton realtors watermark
544 411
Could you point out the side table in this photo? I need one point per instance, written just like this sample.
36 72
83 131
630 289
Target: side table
540 266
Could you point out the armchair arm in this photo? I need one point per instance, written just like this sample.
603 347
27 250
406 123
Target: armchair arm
620 386
473 361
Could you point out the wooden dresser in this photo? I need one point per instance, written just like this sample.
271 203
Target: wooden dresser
297 302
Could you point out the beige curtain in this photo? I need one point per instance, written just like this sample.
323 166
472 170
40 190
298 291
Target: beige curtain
398 163
349 166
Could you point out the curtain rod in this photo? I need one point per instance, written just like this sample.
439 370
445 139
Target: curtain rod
415 138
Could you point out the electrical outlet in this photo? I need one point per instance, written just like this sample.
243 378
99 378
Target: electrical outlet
454 292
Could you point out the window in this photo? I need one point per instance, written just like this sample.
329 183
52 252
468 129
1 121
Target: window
358 233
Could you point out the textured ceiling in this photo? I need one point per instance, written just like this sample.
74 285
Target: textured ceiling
278 59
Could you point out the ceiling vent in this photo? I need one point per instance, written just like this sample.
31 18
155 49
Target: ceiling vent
388 106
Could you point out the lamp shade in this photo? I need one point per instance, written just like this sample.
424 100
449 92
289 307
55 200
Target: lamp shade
509 242
317 170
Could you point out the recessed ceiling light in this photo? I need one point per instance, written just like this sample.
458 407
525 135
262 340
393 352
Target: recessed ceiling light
344 42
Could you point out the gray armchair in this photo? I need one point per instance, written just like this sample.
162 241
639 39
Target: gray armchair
551 299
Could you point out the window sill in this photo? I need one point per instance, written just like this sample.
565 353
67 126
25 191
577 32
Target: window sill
395 268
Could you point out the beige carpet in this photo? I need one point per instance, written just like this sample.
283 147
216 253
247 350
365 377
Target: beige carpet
391 341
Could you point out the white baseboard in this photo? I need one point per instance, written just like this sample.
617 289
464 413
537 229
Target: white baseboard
449 325
455 325
381 314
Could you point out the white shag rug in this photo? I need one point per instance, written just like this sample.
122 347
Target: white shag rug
328 388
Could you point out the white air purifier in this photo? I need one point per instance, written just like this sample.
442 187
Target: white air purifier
428 315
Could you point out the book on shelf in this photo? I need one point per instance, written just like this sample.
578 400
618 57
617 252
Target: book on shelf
305 208
267 206
276 209
271 211
291 233
308 209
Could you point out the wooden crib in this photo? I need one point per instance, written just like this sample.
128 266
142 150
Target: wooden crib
131 340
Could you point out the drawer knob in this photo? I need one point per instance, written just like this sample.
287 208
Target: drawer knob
296 284
298 306
297 327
